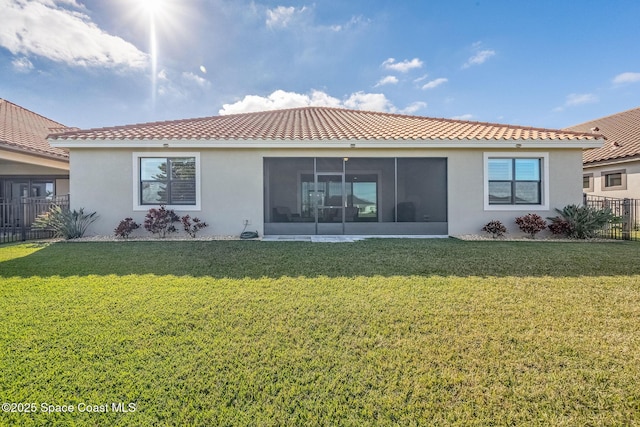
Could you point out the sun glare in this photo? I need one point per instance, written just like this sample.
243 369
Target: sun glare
152 7
165 21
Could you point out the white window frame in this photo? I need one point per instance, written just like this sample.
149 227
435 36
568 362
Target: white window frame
544 176
164 154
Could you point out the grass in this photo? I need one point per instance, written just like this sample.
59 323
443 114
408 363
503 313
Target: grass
380 332
616 233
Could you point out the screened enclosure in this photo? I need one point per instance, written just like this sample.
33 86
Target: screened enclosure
329 195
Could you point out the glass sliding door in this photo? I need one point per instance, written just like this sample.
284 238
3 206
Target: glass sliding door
330 203
19 189
362 198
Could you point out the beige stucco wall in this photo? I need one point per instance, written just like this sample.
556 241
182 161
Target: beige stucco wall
466 190
632 170
62 187
232 185
231 189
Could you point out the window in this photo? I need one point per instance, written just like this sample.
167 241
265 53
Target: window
614 180
166 180
15 189
587 182
514 181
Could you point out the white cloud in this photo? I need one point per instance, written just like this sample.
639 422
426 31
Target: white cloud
281 99
576 99
465 117
413 107
580 99
319 98
402 67
369 102
47 29
626 78
278 100
479 58
355 21
22 65
435 83
282 17
388 80
193 78
419 79
181 86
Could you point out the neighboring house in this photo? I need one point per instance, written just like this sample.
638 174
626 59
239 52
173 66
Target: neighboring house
613 170
29 166
319 170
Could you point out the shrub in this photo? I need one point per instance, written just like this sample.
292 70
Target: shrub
126 227
160 221
531 224
192 228
65 223
495 228
559 226
584 221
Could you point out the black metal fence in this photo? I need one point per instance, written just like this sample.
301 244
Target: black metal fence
17 217
628 210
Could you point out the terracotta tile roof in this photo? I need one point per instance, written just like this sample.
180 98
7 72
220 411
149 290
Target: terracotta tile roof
321 123
622 131
24 130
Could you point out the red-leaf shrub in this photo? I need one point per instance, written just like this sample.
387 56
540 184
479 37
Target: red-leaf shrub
192 228
531 224
126 227
160 221
496 228
560 226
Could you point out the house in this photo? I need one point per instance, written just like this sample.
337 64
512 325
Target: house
613 170
29 166
319 170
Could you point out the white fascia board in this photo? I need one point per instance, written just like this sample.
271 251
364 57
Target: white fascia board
315 144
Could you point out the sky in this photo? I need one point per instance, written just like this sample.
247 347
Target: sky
543 63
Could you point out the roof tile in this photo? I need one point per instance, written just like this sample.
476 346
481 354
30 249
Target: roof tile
24 130
622 130
320 123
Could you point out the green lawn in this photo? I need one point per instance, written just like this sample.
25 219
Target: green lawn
380 332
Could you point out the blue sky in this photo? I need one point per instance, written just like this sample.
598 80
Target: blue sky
544 63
